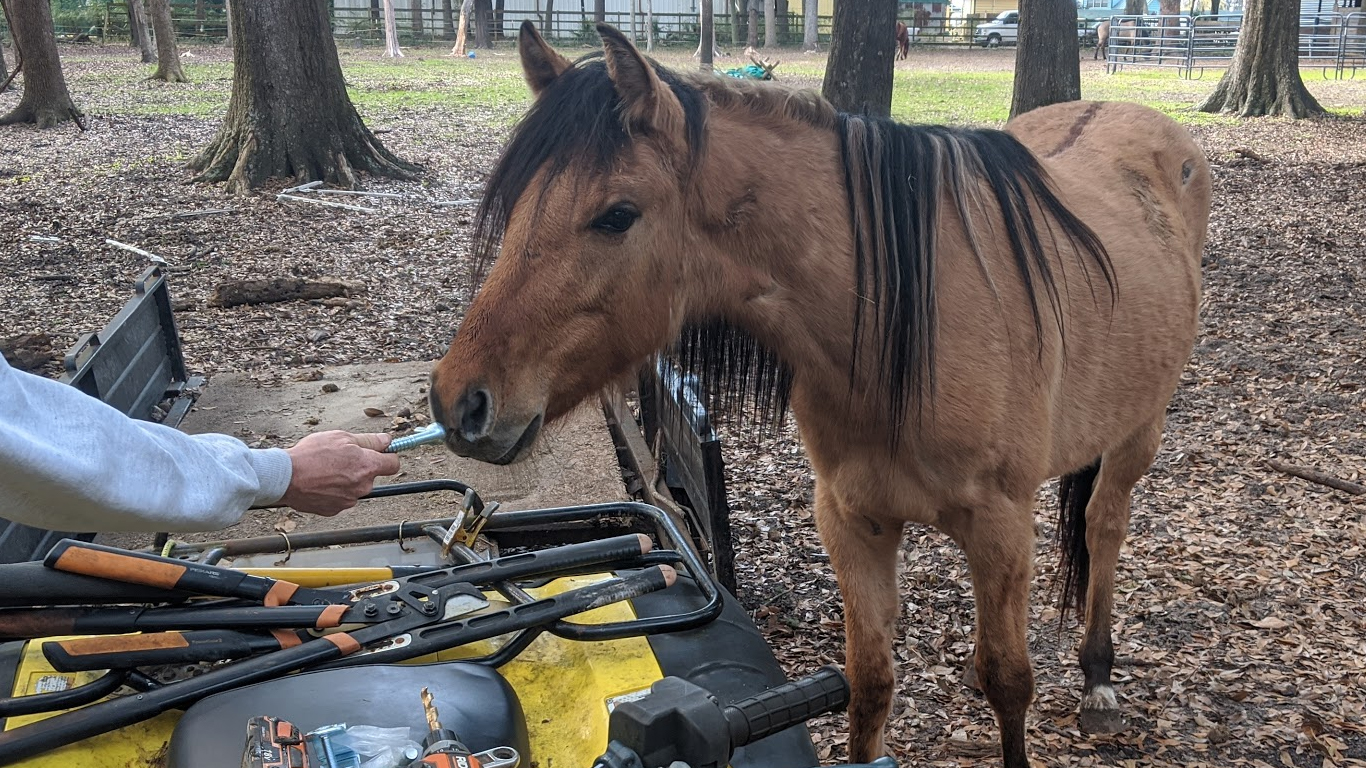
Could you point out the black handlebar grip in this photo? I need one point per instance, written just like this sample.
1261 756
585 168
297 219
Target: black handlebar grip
824 691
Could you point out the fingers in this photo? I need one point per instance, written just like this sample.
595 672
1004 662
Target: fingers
375 441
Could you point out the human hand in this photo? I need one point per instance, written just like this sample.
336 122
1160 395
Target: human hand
332 470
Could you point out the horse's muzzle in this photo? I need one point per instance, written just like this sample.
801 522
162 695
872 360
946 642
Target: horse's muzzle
474 430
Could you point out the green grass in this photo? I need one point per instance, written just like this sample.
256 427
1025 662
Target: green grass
977 94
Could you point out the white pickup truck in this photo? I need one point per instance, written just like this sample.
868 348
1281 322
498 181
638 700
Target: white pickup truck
1004 30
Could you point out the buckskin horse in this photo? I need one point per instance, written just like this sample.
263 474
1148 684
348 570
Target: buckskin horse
953 316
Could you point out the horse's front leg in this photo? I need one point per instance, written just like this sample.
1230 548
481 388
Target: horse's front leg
998 540
862 548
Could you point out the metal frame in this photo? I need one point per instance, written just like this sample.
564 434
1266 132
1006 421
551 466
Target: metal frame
136 362
679 430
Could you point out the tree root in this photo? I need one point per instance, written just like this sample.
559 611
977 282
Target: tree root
245 161
44 117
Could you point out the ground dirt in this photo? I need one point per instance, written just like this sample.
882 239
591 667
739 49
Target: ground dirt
1240 626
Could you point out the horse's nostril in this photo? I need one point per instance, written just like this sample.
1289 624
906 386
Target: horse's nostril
475 409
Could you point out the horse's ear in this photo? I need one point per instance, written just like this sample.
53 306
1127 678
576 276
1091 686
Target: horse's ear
540 63
647 103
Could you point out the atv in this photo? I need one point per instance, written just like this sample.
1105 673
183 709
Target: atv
548 638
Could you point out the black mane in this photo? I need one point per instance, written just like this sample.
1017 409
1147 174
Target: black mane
896 177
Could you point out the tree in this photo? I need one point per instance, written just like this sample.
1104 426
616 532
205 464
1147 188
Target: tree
168 55
1135 7
752 30
736 22
770 24
858 77
227 19
46 101
4 71
415 11
483 23
447 20
600 11
548 23
391 48
1048 60
706 31
140 31
1264 78
289 115
465 7
810 31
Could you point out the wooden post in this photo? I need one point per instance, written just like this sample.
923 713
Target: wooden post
706 42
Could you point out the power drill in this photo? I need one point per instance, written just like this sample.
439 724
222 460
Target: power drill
443 749
274 743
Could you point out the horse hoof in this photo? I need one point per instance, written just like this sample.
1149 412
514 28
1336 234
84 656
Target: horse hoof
1101 721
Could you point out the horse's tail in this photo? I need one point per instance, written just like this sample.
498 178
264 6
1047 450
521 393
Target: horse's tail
1074 562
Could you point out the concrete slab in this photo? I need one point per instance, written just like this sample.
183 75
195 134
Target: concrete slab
574 463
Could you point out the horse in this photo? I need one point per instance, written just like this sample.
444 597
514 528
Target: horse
952 316
903 40
1102 40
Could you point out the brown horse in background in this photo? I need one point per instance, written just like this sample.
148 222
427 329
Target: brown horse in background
952 315
1102 40
903 40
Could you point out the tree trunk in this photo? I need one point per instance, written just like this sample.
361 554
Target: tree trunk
415 11
1264 78
168 55
858 77
227 19
600 11
1214 7
496 20
483 21
391 48
46 100
649 24
1048 61
200 14
810 30
752 31
770 24
706 32
465 7
548 24
447 20
4 71
141 30
1135 7
736 22
289 115
784 14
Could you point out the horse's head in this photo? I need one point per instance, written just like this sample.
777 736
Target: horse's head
588 203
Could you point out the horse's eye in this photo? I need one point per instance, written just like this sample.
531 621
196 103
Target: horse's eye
618 219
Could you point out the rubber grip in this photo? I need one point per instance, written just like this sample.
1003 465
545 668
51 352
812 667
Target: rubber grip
125 651
824 691
97 560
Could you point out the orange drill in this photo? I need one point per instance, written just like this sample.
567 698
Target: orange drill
442 748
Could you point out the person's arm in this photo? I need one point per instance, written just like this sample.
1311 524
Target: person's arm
71 462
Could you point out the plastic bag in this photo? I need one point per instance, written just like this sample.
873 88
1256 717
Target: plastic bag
385 747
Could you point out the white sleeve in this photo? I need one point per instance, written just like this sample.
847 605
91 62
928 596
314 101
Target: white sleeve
69 462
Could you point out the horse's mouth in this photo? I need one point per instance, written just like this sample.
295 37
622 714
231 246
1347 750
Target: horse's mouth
524 442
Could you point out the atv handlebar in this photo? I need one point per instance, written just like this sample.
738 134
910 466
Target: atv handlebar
822 692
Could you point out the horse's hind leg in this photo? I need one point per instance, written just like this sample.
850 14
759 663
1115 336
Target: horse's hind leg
1107 523
999 544
863 553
